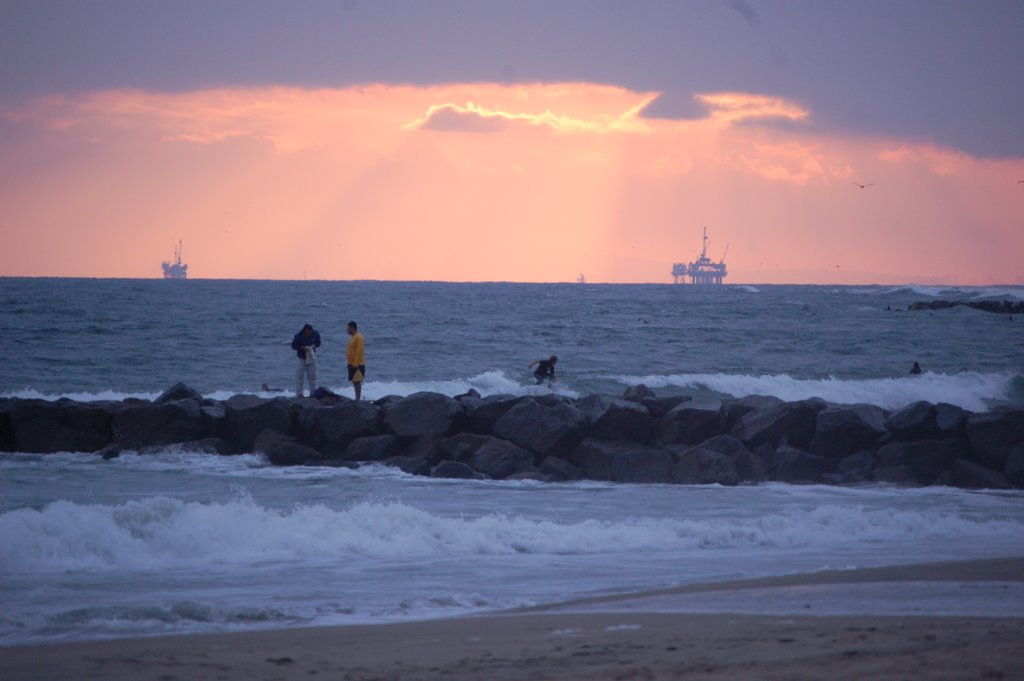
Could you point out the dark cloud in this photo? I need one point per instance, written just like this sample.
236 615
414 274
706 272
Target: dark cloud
675 106
942 71
452 120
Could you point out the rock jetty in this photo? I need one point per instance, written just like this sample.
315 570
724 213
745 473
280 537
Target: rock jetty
635 438
995 306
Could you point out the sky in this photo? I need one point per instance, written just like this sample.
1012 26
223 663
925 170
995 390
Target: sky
527 141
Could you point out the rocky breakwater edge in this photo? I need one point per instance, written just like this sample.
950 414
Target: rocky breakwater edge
1009 307
634 438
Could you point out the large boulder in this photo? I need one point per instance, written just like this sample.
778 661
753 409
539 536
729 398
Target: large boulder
246 416
213 418
795 465
1015 465
659 406
330 428
950 420
206 445
927 459
6 429
616 419
423 413
701 466
916 421
688 425
158 424
749 466
462 446
552 428
931 305
858 467
557 468
456 470
785 423
622 461
410 465
656 406
637 393
843 430
482 412
282 449
898 474
733 410
971 475
926 421
993 434
552 399
995 306
500 459
42 426
426 448
373 448
178 391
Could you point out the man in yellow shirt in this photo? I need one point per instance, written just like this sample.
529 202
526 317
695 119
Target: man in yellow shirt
356 357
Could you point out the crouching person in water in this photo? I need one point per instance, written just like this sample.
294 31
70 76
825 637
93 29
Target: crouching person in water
305 343
545 369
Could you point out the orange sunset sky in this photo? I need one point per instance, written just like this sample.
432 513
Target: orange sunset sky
504 179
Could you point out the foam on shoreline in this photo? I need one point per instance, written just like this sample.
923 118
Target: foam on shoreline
980 588
599 645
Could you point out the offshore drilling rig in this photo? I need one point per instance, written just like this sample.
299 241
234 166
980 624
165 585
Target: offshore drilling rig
702 270
176 269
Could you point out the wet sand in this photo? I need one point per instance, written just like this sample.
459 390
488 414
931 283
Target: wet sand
597 639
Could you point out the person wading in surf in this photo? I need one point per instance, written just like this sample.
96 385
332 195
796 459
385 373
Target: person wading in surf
545 369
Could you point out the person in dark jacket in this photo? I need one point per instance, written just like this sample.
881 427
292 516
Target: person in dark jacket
305 343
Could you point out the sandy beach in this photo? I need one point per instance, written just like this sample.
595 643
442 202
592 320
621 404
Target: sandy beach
638 636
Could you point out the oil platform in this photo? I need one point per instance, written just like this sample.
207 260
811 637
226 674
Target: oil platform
702 270
176 269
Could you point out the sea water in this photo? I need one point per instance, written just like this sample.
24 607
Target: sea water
182 542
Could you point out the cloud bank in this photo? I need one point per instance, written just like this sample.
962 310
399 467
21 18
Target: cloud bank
488 181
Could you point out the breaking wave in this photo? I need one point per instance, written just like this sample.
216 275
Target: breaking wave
161 533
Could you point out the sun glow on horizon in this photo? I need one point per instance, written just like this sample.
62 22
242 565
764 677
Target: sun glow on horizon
486 182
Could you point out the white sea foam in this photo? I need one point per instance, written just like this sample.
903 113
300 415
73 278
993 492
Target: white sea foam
945 598
487 383
930 291
176 458
974 391
1001 292
971 390
976 292
164 533
81 396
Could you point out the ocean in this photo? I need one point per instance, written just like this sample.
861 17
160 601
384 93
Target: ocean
179 542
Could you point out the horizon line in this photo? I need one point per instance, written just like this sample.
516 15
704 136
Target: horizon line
539 283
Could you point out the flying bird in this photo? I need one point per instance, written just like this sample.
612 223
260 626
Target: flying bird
862 186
